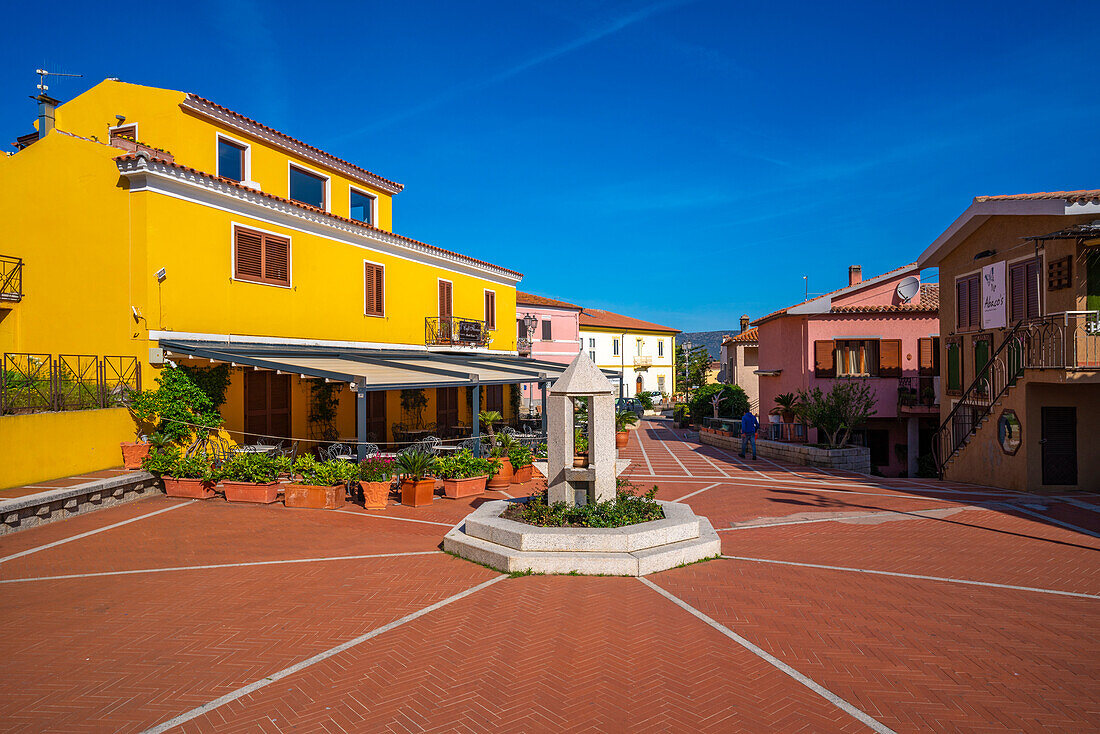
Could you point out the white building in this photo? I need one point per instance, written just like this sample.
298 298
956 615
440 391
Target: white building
641 350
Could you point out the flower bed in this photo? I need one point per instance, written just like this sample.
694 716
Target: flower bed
626 509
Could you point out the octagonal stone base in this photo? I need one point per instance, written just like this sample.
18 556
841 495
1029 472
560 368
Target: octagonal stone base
636 550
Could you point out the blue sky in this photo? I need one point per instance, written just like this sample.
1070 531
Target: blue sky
683 162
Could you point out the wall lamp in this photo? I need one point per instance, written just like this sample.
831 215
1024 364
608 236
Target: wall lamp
984 254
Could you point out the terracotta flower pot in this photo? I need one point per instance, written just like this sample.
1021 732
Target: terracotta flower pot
133 454
375 495
621 439
502 478
580 461
417 494
465 487
314 497
195 489
521 475
263 494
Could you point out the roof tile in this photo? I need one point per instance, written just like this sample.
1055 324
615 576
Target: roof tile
1083 195
530 299
599 318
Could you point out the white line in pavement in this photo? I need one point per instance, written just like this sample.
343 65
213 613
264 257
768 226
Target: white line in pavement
742 463
1045 518
56 543
319 657
841 518
675 458
920 577
816 484
645 455
692 494
391 517
767 657
217 565
798 488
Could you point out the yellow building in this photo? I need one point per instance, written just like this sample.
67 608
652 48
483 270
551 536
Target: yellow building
641 351
145 226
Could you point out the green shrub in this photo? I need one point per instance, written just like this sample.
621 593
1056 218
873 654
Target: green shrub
520 455
416 465
169 462
463 465
377 469
626 509
646 400
324 473
734 404
160 461
175 406
580 442
250 467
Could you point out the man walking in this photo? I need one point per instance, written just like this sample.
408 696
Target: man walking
749 424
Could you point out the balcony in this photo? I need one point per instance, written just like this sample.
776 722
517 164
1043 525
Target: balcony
11 278
643 363
918 396
455 332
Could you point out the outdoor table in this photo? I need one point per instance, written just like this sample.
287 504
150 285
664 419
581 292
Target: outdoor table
254 449
448 447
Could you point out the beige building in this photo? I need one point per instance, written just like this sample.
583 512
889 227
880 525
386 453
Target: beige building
641 350
740 360
1019 347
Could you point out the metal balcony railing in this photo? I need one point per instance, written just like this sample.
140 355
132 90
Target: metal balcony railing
916 392
11 278
455 332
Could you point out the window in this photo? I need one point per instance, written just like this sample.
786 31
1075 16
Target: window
928 350
591 342
260 257
125 131
638 347
362 207
1023 290
615 346
824 362
1092 278
954 365
307 188
660 347
547 334
889 358
660 383
490 310
494 398
592 355
857 357
968 303
231 162
375 280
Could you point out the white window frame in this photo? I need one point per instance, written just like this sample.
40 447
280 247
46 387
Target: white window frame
615 346
483 292
233 225
373 205
385 290
660 347
591 342
638 343
112 128
328 184
247 167
592 354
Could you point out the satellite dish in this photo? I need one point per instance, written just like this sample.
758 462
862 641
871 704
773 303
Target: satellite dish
908 288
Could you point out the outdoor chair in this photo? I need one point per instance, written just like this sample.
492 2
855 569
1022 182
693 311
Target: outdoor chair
370 450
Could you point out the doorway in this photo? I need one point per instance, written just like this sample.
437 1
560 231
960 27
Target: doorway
266 405
1059 442
638 386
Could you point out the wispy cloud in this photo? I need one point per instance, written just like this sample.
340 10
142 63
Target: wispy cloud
593 35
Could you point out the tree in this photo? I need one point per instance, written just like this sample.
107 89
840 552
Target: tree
835 413
732 403
691 369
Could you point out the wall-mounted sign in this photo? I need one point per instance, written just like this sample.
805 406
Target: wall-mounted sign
994 296
469 331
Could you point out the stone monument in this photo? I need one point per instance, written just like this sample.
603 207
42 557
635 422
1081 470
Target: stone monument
596 482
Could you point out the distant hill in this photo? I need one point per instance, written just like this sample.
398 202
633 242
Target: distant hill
712 340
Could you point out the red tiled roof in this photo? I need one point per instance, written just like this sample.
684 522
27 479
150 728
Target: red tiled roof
783 311
929 303
307 207
610 320
531 299
1084 195
930 295
748 335
294 140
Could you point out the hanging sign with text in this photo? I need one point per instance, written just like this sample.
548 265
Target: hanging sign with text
994 296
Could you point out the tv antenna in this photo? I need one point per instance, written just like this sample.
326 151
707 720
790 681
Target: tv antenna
42 74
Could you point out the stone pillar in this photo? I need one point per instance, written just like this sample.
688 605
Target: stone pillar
601 446
912 427
559 448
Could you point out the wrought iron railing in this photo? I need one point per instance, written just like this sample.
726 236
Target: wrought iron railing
11 278
35 383
917 391
1064 341
455 332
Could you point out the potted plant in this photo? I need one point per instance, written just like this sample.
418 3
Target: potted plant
318 485
503 478
487 418
580 449
417 483
248 477
375 478
174 409
520 458
463 474
624 419
134 453
786 406
928 396
193 477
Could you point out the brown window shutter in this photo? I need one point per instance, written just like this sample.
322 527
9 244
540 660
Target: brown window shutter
375 285
926 359
824 364
444 300
889 358
490 310
1017 292
276 260
248 255
1033 284
961 313
975 302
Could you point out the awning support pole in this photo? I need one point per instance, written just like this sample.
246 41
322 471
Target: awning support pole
474 422
542 388
361 424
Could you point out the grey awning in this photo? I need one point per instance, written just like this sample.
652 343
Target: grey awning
376 369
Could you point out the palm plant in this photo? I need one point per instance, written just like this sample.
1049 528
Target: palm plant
787 404
415 465
624 419
487 418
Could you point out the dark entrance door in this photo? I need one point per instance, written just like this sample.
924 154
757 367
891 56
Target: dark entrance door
376 415
266 405
446 409
1059 443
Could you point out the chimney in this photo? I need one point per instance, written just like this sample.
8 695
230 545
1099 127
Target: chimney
855 274
46 107
744 323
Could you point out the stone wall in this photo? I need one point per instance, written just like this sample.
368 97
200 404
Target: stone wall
25 512
853 458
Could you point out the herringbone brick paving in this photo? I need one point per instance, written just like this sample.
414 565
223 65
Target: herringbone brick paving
122 653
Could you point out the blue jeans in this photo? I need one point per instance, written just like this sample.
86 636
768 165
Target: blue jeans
746 439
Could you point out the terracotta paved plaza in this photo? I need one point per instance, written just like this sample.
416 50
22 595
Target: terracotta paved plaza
844 603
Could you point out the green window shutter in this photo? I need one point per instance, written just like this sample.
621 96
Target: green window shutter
1092 293
954 368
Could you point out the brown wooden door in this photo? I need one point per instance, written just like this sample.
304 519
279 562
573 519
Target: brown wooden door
1059 443
494 398
446 408
266 405
376 415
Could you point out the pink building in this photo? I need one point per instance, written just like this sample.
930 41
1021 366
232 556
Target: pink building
554 335
884 330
